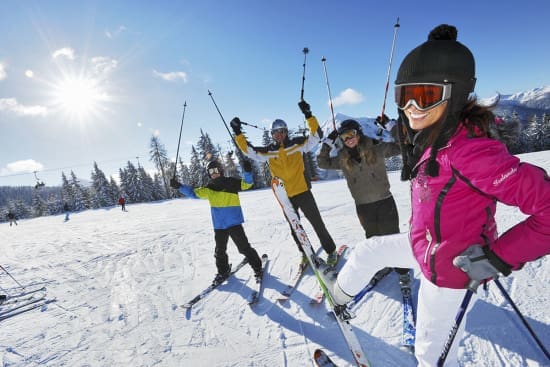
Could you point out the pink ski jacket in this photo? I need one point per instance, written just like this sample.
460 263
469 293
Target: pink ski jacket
457 209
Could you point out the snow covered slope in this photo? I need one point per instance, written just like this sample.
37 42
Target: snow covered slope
119 278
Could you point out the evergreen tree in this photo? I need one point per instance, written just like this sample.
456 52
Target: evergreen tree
158 187
534 134
184 174
81 197
206 149
100 189
39 205
123 183
132 184
159 157
231 169
197 170
546 131
67 192
114 191
147 185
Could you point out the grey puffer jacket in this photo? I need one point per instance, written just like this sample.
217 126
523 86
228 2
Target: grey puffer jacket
367 183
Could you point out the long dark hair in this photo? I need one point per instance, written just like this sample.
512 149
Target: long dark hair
477 119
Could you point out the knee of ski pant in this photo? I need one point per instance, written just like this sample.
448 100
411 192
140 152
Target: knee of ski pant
339 296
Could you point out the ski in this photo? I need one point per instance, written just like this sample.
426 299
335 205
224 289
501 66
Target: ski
211 287
34 304
12 298
257 288
347 330
322 359
21 305
369 287
320 296
293 284
409 328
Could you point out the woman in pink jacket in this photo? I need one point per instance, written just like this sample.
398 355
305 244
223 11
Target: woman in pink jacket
458 172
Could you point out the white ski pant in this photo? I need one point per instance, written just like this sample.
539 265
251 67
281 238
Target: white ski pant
437 307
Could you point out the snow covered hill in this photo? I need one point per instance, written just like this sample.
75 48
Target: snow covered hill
119 277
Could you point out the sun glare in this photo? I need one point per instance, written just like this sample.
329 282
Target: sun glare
79 97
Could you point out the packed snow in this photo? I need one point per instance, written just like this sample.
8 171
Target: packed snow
119 277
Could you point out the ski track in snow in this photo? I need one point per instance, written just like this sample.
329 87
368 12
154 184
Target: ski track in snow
119 279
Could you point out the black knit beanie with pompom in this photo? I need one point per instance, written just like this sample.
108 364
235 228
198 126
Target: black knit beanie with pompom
441 59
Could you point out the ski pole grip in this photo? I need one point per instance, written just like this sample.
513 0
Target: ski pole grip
472 285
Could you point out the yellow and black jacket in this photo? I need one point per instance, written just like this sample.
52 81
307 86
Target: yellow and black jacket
285 160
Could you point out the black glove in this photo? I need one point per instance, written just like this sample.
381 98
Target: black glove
304 107
236 125
382 120
174 183
247 166
333 135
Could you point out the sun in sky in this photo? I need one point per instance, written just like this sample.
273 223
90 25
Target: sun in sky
79 97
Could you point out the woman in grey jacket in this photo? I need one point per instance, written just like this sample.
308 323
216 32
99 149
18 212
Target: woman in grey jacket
361 159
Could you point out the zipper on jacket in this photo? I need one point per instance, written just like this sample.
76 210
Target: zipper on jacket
437 224
429 239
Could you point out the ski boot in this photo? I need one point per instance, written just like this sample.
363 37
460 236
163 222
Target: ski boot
220 277
332 259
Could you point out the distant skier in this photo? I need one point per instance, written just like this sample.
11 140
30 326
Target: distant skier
227 215
458 172
285 158
362 160
66 210
11 218
122 203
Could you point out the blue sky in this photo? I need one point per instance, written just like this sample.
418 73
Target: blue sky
94 80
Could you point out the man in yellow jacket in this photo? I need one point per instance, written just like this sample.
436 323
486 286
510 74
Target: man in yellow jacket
286 161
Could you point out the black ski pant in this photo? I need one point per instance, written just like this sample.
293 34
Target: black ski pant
306 202
378 219
239 237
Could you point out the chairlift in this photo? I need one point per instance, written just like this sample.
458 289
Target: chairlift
39 183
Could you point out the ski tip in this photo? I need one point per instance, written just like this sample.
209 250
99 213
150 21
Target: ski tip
322 359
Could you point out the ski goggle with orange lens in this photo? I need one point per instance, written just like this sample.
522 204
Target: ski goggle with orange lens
422 96
348 134
213 170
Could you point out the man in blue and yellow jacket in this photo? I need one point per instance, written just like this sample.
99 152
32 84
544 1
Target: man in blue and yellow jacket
227 215
285 159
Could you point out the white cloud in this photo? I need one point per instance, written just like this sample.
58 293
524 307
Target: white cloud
103 65
23 166
171 76
116 32
2 71
64 52
348 96
11 105
29 73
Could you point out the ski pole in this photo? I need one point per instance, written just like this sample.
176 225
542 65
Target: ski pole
225 124
509 299
305 51
179 140
395 28
329 95
11 276
239 153
458 319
